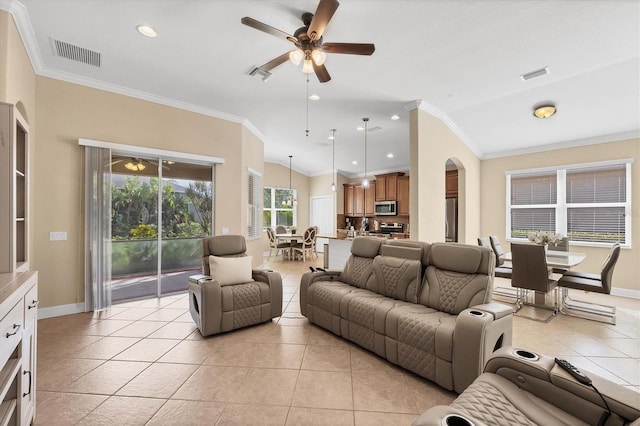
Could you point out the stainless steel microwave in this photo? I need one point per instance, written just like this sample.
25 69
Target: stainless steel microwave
386 208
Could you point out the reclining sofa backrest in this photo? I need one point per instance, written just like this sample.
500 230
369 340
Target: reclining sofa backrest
222 246
358 270
458 276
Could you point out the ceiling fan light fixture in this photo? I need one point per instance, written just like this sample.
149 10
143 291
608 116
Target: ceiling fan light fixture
307 67
544 111
318 57
296 56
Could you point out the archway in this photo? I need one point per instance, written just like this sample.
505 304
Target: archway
455 206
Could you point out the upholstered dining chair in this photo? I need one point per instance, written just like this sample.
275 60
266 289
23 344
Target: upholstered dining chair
597 283
276 246
563 245
503 270
230 294
531 273
280 229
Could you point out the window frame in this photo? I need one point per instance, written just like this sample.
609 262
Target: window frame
273 209
561 206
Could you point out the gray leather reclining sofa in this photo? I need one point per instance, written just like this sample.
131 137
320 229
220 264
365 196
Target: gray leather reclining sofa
520 387
421 306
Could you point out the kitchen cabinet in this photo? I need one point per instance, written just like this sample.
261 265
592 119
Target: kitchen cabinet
387 186
403 195
451 184
358 204
14 186
18 334
369 199
349 202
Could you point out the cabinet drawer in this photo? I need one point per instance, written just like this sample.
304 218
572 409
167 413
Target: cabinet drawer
31 306
11 331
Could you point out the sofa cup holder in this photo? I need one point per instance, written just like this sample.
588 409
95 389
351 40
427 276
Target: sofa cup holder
476 313
530 356
456 420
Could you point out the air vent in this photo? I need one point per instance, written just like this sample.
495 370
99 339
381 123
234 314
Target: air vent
534 74
76 53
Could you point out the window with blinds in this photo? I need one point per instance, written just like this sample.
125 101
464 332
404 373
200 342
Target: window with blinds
278 207
254 193
589 203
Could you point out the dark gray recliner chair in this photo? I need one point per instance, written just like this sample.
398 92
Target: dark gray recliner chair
232 295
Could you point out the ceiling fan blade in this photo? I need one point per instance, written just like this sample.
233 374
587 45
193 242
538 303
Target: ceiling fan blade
349 48
275 62
250 22
321 72
324 12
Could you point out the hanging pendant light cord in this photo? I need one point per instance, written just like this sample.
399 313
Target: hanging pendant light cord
307 130
366 120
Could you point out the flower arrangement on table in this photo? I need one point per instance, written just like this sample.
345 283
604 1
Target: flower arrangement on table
545 238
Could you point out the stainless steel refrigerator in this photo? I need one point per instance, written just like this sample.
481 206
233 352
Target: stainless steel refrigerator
451 220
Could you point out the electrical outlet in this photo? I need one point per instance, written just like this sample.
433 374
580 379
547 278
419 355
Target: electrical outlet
225 231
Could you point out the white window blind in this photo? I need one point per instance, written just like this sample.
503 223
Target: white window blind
596 201
253 205
590 203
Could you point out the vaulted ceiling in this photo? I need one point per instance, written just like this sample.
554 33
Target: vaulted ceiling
461 59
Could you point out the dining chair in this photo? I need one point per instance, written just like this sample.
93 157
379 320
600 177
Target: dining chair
597 283
280 229
275 245
306 246
532 274
503 270
563 245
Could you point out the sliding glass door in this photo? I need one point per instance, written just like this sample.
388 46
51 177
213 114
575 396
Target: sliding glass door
160 211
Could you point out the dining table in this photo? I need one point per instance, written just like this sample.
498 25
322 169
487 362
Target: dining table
558 258
292 239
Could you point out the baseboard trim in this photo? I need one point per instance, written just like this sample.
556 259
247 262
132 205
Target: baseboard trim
57 311
625 292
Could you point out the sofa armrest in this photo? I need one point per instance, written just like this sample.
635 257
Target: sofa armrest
444 415
205 291
274 281
479 331
498 310
308 278
539 375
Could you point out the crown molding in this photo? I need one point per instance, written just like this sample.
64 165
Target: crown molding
576 143
25 29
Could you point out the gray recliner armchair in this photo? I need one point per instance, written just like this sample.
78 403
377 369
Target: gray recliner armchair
229 294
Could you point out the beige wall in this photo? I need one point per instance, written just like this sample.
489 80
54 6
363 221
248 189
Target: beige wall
69 112
493 206
432 143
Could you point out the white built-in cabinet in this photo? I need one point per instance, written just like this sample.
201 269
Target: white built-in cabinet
18 285
18 346
14 190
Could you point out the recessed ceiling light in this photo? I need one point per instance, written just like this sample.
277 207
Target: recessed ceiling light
395 117
146 31
314 97
544 111
359 128
390 155
354 162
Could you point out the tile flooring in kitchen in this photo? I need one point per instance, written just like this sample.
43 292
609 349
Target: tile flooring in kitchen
144 362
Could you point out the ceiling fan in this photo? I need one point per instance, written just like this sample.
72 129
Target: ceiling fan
138 164
309 43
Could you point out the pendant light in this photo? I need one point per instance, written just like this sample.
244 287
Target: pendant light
333 157
365 181
291 200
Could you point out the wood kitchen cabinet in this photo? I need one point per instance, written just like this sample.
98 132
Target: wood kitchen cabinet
349 203
358 203
369 199
403 195
387 186
451 184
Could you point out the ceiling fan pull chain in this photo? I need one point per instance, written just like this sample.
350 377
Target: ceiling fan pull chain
307 130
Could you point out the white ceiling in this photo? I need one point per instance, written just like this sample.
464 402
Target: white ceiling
463 59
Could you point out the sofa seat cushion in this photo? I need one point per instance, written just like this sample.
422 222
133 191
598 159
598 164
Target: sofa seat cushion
417 336
323 303
363 315
495 400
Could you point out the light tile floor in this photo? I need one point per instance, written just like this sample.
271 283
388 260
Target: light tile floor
144 362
